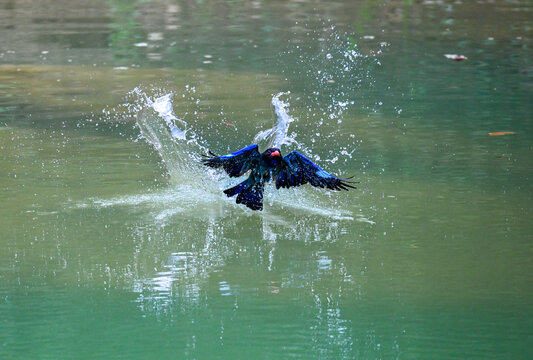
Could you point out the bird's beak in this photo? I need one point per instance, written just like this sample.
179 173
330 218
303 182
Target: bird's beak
275 153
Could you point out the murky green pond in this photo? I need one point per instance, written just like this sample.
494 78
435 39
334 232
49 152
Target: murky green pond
115 242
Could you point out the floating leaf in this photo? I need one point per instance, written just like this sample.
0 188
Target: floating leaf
500 133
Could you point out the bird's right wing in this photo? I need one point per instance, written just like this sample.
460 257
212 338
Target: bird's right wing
236 163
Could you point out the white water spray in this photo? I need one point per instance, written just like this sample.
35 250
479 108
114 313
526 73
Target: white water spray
278 134
177 147
163 105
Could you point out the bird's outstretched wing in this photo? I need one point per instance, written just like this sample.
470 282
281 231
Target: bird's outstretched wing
236 163
298 170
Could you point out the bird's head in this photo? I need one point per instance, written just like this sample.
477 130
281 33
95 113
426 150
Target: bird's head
272 156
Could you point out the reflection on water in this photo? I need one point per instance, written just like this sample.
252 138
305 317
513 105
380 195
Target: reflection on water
115 242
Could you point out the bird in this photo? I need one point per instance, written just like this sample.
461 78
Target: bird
292 170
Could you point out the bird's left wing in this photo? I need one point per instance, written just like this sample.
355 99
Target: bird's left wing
236 163
298 170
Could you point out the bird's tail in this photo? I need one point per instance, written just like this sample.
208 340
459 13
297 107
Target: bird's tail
237 189
251 196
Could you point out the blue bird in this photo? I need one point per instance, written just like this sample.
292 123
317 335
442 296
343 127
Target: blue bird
292 170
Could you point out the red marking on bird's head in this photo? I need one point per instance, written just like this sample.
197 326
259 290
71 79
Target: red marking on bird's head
275 153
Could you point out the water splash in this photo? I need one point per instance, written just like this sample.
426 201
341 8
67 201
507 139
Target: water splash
197 202
195 190
163 105
278 134
334 77
179 152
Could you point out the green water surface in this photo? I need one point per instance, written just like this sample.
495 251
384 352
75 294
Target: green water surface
113 249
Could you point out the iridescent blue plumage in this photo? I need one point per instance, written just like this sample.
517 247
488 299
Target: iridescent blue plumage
236 163
299 170
292 170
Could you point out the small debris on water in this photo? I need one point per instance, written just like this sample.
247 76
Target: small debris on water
456 57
